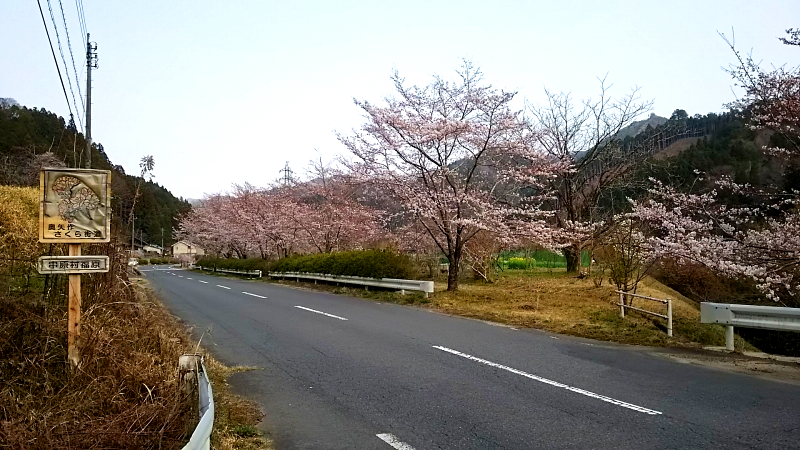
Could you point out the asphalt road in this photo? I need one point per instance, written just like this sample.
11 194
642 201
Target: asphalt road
346 373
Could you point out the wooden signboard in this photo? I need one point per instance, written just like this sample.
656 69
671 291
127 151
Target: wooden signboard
72 264
75 206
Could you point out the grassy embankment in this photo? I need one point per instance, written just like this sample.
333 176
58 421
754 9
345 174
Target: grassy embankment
125 392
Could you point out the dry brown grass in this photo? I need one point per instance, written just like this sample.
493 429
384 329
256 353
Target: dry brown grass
124 394
565 304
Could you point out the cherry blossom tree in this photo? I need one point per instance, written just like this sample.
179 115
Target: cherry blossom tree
760 242
580 137
442 152
771 97
314 216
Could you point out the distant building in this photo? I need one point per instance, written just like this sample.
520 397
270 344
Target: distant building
149 248
186 248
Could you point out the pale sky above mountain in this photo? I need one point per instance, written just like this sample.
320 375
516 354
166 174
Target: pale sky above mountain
228 92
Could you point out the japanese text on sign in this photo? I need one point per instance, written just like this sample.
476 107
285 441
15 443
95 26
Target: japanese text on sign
74 205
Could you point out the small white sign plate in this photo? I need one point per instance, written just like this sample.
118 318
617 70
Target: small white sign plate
72 264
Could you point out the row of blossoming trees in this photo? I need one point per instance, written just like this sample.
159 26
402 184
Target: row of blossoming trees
452 168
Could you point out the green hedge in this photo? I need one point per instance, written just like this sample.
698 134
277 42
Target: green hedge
361 263
236 263
145 261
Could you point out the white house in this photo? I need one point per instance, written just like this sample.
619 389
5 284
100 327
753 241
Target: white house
186 248
150 248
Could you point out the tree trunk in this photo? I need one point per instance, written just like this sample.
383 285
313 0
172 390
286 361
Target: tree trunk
452 272
452 277
573 257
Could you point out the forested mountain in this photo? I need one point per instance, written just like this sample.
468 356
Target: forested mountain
691 153
32 138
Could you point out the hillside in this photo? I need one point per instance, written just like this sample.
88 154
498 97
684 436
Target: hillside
31 138
638 127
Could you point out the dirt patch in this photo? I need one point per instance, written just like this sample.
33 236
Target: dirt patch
788 372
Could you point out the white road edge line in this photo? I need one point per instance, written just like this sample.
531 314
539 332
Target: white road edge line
320 312
613 401
223 287
254 295
394 442
204 282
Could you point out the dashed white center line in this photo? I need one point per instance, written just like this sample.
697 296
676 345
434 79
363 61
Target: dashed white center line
320 312
394 442
188 278
223 287
613 401
181 276
204 282
254 295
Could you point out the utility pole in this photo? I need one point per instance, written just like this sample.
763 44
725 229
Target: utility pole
91 62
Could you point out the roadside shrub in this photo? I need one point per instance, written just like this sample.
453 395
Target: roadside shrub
235 263
361 263
163 261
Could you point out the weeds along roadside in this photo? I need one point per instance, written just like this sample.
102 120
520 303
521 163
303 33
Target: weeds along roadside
125 392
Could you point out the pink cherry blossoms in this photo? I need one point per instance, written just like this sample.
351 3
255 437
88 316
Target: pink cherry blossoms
311 217
444 153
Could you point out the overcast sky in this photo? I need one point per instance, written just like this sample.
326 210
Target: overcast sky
224 92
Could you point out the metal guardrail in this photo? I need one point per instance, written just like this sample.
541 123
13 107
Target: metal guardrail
668 302
255 273
389 283
201 437
777 318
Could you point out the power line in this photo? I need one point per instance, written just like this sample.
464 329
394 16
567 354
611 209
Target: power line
61 51
72 58
81 20
55 60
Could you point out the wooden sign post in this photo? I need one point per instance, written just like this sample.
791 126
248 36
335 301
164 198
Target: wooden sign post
74 209
74 316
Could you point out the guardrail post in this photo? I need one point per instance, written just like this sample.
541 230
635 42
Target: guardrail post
622 305
669 317
729 338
